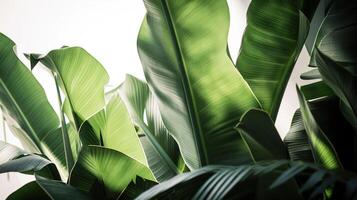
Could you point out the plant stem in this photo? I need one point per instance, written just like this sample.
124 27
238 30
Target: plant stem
65 137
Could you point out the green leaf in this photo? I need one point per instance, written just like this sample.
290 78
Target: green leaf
182 186
119 132
112 128
26 107
297 141
14 159
335 38
9 152
334 54
160 148
105 171
81 78
259 133
326 112
311 75
322 148
134 189
200 94
42 189
275 34
53 148
316 90
236 182
316 21
30 164
343 83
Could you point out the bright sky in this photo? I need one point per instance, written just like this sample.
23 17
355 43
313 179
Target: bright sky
108 30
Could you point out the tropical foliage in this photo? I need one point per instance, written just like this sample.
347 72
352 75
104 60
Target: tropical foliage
202 125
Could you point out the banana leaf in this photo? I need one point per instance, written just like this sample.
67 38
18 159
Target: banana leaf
200 94
275 34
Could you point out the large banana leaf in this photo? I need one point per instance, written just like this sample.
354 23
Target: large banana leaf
81 78
160 148
26 108
106 172
322 148
275 33
200 94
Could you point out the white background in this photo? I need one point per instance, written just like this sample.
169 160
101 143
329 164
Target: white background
108 30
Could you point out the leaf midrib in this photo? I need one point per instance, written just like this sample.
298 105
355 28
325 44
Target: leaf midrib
189 100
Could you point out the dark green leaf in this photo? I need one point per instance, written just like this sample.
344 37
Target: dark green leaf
274 36
259 133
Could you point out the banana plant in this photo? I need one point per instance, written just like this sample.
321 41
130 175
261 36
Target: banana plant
201 125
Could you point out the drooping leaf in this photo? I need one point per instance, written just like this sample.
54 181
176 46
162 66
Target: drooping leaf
106 172
323 150
14 159
44 189
177 187
160 148
259 133
9 152
31 164
241 182
275 34
311 75
200 94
